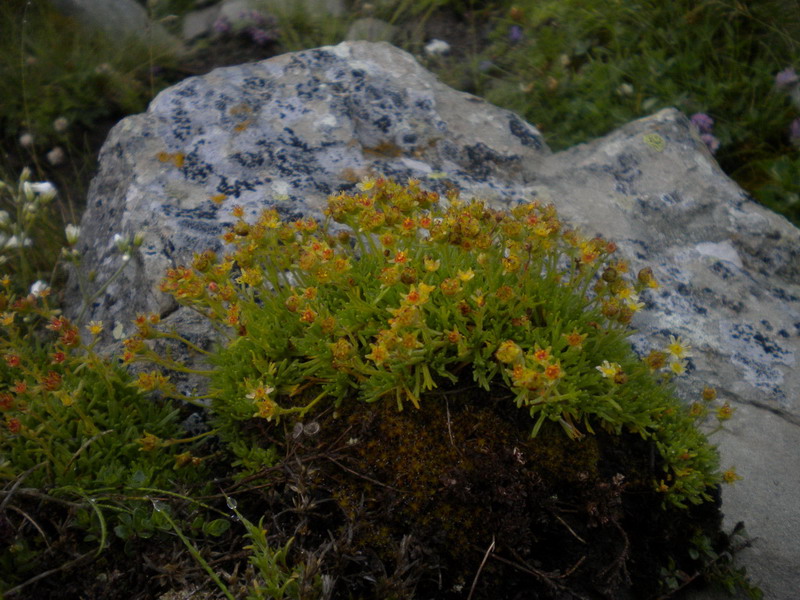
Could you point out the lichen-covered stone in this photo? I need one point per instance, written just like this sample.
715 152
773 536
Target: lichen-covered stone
289 131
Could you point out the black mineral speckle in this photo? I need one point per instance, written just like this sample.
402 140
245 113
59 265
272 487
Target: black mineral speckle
249 159
482 160
196 170
236 187
383 123
525 136
721 269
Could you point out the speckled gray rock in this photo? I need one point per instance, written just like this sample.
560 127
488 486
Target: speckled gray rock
291 130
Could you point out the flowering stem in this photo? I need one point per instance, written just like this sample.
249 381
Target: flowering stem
197 556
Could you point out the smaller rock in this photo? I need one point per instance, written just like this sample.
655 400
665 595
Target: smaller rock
237 13
371 29
316 8
120 19
199 23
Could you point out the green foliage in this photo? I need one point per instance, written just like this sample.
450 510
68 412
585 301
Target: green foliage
411 299
25 210
75 432
781 188
53 68
275 578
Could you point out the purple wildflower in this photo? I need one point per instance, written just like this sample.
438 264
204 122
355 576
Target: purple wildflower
794 132
259 36
222 25
786 78
711 142
703 122
515 34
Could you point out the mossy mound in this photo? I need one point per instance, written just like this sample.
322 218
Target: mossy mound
424 503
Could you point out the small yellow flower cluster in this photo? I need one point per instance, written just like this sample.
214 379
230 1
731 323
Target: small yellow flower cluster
537 371
266 407
672 359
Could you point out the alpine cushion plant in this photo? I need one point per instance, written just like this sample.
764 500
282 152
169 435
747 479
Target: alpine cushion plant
409 298
404 309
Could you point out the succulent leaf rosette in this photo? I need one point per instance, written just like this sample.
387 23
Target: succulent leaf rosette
402 296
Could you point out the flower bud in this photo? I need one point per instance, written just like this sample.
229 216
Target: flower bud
72 232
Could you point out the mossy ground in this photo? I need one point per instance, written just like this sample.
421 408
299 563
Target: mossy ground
407 505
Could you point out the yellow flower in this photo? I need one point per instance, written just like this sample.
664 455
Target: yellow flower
465 275
251 277
450 286
148 442
511 264
260 393
678 367
366 185
609 370
730 476
266 409
7 318
378 355
575 339
626 292
725 412
678 348
419 295
95 327
554 372
342 349
431 264
633 303
66 398
709 394
508 352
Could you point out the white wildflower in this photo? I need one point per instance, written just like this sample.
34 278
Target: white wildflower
437 48
39 288
60 124
56 156
26 140
678 348
16 242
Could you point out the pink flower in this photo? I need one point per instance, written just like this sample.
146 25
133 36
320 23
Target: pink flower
711 142
794 132
786 78
703 122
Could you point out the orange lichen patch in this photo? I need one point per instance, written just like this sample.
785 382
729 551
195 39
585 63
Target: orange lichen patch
176 158
243 125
